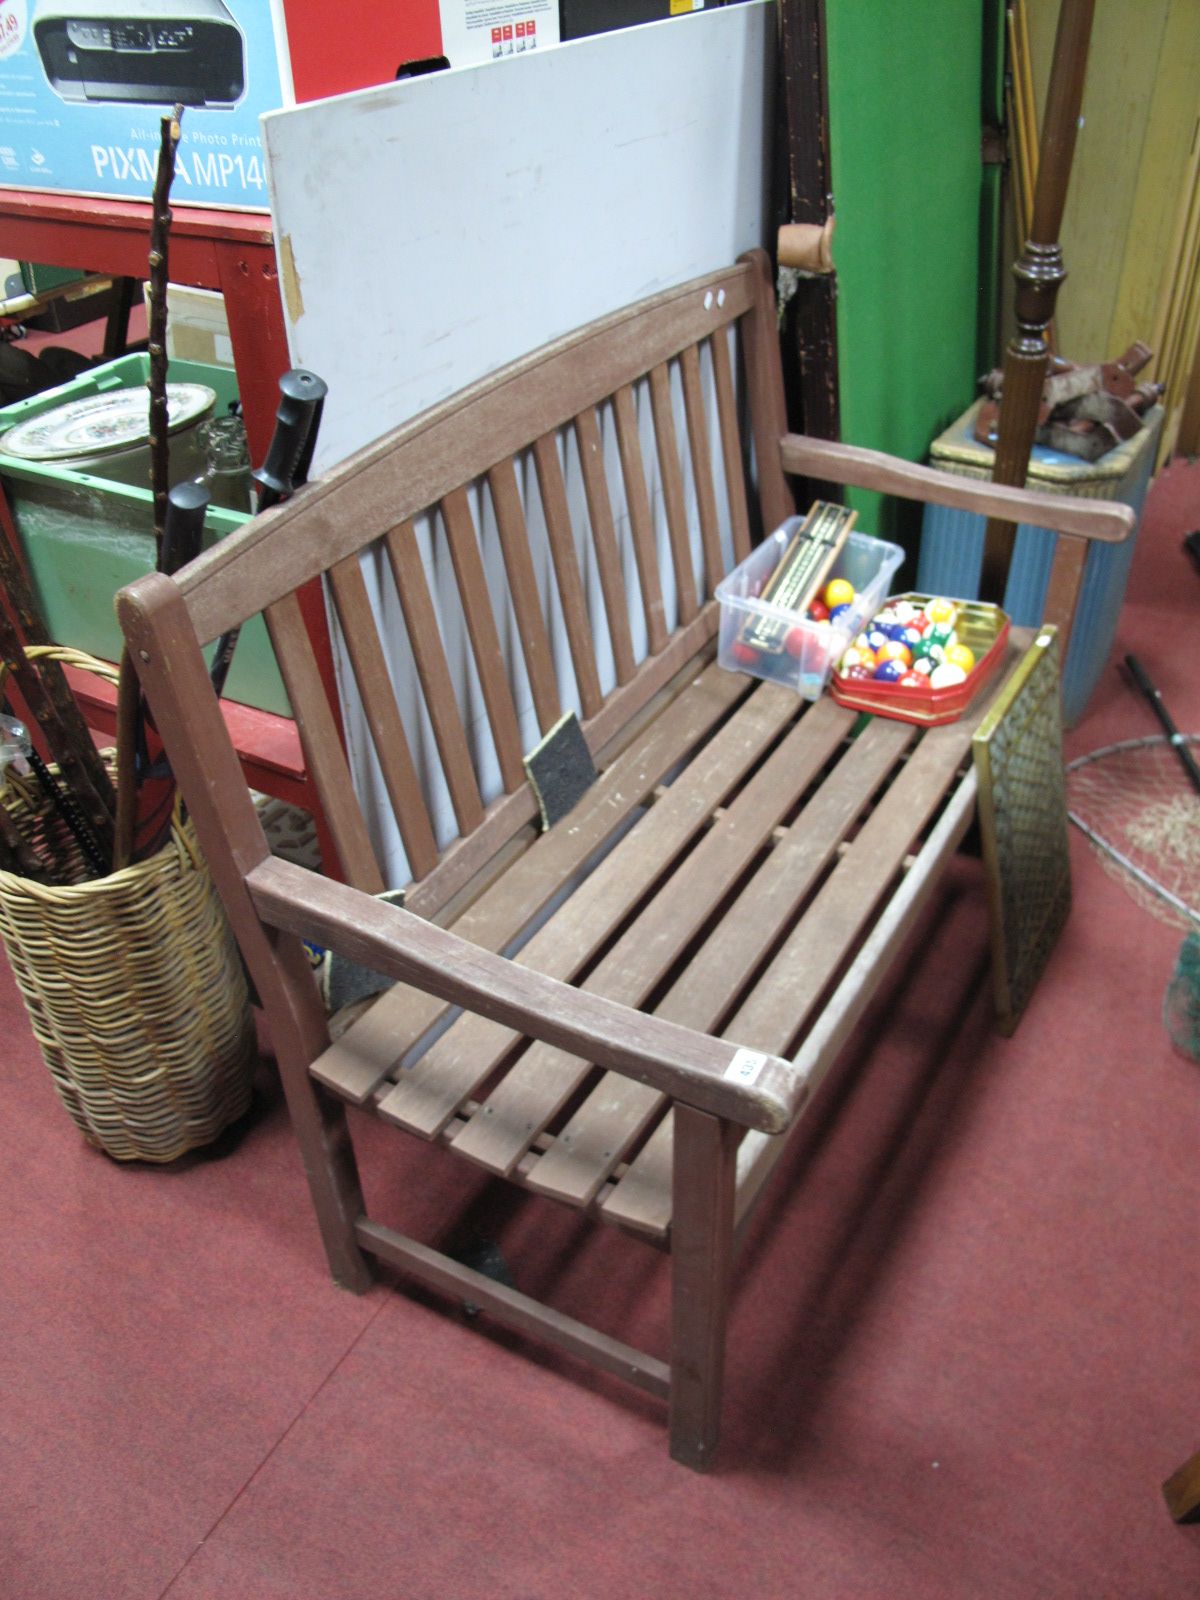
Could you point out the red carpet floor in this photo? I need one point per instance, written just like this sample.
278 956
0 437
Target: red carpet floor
963 1358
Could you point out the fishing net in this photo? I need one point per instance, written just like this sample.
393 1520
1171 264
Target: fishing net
1135 803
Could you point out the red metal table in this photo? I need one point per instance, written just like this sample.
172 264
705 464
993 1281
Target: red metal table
233 252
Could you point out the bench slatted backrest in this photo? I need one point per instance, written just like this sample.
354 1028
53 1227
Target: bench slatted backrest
448 506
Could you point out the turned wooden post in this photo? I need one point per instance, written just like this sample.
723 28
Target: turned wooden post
1039 272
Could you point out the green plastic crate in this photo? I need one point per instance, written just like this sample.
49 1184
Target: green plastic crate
86 536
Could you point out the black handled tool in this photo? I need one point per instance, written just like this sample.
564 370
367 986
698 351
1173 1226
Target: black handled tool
1142 678
289 457
183 529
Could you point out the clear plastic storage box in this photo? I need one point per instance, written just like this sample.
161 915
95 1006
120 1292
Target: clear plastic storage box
810 649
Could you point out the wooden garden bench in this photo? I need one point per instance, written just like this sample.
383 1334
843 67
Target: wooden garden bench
629 1012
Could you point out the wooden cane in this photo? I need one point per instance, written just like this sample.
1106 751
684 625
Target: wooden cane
128 687
1039 272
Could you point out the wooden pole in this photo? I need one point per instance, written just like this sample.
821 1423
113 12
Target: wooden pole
1039 272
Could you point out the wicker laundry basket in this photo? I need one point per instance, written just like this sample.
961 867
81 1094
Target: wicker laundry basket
133 984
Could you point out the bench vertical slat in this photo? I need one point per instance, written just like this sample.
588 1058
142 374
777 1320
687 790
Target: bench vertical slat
640 521
425 637
523 588
383 714
566 570
731 445
706 500
321 742
764 392
672 484
485 641
604 543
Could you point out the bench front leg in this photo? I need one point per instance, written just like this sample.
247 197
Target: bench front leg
704 1173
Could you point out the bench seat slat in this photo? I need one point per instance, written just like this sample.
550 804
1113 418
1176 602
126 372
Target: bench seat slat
357 1063
430 1091
816 950
536 1088
787 992
618 1111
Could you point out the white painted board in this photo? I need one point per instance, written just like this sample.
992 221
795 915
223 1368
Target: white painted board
433 229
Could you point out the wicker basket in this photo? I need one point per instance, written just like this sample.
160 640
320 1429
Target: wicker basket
133 985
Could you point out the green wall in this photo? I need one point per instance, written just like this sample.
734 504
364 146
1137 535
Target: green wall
905 87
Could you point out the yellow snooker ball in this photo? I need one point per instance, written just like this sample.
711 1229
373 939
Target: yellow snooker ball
960 655
941 612
837 592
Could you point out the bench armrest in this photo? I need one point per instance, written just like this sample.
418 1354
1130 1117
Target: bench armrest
753 1089
1106 520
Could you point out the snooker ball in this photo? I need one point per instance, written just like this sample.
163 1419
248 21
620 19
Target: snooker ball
857 656
818 611
890 671
841 612
940 634
744 654
947 676
795 642
837 592
941 612
894 650
914 680
960 655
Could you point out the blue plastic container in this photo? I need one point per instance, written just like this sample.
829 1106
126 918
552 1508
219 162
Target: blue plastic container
952 543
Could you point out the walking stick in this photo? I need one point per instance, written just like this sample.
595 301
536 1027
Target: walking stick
145 803
51 703
128 688
1039 272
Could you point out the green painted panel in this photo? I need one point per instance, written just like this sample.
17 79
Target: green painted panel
904 110
86 535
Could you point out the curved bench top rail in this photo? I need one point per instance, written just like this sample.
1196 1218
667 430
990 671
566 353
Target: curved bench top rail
420 462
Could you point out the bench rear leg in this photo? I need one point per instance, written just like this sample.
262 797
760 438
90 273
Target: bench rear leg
705 1166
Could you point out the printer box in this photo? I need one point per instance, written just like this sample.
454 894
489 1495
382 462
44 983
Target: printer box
84 85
